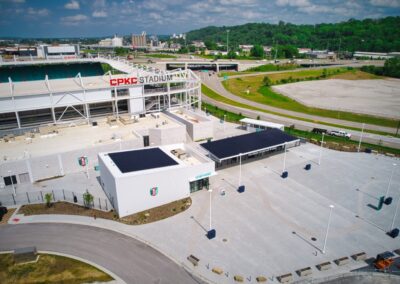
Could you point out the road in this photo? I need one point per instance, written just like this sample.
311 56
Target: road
131 260
214 82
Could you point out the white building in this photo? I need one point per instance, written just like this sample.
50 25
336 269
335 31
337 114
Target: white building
62 51
111 42
137 180
257 125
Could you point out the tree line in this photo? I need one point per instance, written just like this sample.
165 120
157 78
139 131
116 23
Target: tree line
379 35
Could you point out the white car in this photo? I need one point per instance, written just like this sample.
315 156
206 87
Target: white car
340 133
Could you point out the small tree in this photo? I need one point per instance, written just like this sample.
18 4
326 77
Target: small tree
48 197
267 81
87 199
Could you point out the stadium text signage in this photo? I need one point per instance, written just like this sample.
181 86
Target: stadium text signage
140 80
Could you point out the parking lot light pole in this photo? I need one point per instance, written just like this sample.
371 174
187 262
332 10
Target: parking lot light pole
12 183
322 146
327 228
210 191
224 121
390 180
395 214
284 158
240 169
361 137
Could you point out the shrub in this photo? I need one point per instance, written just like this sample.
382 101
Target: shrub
48 197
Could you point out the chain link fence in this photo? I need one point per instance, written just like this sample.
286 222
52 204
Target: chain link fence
38 197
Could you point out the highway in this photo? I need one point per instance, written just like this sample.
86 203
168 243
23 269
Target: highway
131 260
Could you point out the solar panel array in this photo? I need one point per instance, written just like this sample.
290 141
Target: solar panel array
144 159
246 143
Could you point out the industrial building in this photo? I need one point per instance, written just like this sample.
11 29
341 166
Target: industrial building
137 180
62 51
32 103
139 41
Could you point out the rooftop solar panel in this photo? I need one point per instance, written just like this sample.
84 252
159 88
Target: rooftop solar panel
144 159
233 146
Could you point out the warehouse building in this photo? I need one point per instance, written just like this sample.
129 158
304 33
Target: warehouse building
137 180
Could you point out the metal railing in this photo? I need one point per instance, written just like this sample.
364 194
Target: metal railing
38 197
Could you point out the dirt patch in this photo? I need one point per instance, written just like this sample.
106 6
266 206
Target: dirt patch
7 216
144 217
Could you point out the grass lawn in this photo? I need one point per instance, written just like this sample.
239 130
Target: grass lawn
144 217
265 95
233 73
160 55
217 112
49 269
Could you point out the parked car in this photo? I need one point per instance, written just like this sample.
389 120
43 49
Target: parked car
319 130
339 133
384 260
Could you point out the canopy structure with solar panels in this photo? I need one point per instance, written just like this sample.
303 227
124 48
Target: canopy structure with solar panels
249 144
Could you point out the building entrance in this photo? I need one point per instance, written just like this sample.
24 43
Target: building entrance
199 185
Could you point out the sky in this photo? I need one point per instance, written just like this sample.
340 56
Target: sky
98 18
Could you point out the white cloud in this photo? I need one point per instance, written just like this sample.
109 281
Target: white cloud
38 12
74 20
293 3
99 14
385 3
73 5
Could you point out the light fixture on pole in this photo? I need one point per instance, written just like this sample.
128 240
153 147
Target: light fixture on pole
327 228
390 180
395 215
361 137
284 158
211 233
210 191
224 121
240 169
12 182
322 146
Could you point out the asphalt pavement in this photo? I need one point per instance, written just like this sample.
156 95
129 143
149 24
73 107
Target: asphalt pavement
130 259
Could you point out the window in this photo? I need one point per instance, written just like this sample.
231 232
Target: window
10 180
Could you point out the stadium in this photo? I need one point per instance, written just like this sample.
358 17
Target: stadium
34 93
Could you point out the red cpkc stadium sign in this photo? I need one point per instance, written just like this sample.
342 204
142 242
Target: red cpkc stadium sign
123 81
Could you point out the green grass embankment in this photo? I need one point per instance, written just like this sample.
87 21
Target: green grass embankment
260 93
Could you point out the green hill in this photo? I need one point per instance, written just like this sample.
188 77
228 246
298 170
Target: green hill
380 35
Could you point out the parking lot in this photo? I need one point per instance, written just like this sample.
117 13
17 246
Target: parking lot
278 225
